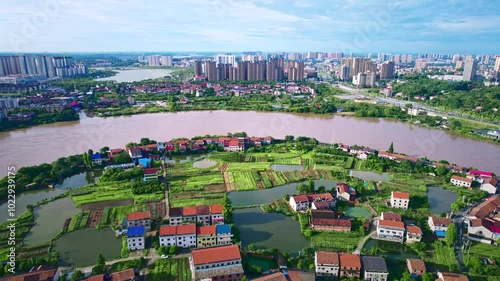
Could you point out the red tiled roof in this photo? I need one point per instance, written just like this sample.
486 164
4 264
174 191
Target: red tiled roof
350 260
177 212
487 207
124 275
138 216
116 150
397 224
414 229
33 276
342 187
458 178
323 196
453 277
416 264
492 181
205 230
203 210
476 223
390 216
276 276
300 198
330 258
215 255
401 195
216 209
233 142
184 229
441 221
331 222
189 211
95 278
168 230
150 171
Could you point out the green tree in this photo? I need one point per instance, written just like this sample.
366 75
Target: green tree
451 235
76 275
427 276
100 259
287 197
406 276
321 189
98 269
391 148
289 138
2 269
23 266
441 170
122 158
244 278
104 150
310 186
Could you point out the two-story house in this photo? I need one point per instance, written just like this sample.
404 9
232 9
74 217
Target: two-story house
344 192
327 264
461 181
393 230
416 267
375 268
136 237
350 265
134 152
206 236
490 185
224 236
325 220
299 202
400 200
217 264
413 234
439 225
139 218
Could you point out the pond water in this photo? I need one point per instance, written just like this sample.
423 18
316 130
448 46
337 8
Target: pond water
358 212
181 159
369 176
392 250
269 230
50 219
28 198
81 247
266 196
132 75
440 199
205 163
286 168
76 181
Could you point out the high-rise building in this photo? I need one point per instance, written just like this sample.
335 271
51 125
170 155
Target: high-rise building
198 68
364 79
387 70
228 58
154 60
44 66
166 60
420 64
470 69
344 72
397 58
496 68
456 58
211 70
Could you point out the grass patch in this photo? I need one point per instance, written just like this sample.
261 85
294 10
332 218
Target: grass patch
482 250
243 180
442 256
248 166
170 270
337 241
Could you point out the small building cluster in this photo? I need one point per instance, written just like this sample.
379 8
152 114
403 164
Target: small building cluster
190 235
483 221
485 180
337 265
306 202
204 215
391 227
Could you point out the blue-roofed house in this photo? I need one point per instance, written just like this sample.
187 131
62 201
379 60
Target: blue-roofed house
145 162
136 237
223 233
439 226
96 159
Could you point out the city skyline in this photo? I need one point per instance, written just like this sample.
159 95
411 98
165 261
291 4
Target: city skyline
241 25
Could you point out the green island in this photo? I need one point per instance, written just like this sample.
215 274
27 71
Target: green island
279 169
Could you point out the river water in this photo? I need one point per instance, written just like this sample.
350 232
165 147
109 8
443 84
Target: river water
48 142
133 75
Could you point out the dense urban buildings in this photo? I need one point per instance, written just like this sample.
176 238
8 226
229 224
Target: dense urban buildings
40 65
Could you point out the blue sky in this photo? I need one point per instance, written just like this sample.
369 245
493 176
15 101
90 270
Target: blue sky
416 26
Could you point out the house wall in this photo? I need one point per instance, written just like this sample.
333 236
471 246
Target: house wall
344 196
186 241
400 203
146 223
224 239
299 206
135 243
489 188
350 272
460 183
168 240
385 232
436 227
375 276
217 219
203 219
330 228
216 265
206 240
175 220
325 269
410 238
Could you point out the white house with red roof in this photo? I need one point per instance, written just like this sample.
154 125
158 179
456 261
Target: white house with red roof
490 185
392 230
413 234
138 219
461 181
299 202
304 202
150 174
344 192
217 263
400 200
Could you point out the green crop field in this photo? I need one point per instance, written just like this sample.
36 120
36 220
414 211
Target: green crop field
336 241
248 166
482 250
243 180
442 255
170 270
349 163
193 183
288 161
